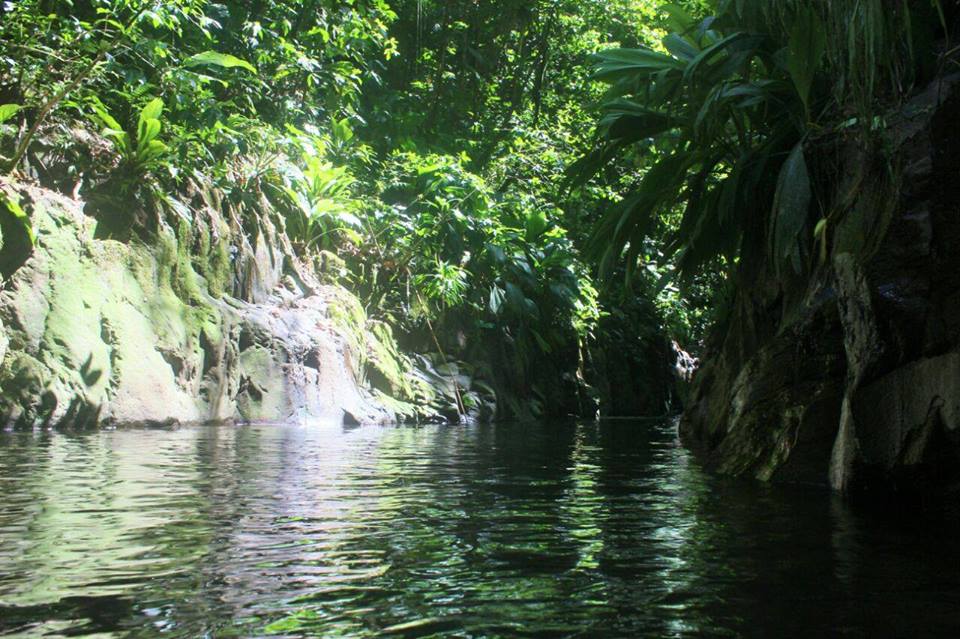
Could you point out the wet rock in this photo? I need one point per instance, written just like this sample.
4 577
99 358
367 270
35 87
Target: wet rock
857 386
897 416
97 330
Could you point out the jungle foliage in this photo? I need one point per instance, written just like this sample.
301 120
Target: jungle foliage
733 121
439 157
413 149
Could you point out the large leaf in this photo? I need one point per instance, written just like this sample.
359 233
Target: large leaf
121 139
496 299
791 205
680 47
152 110
634 218
219 59
696 189
628 121
616 64
805 50
106 119
12 205
535 225
7 111
151 151
729 44
709 238
515 298
147 132
16 234
713 116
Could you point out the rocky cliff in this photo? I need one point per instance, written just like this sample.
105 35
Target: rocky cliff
852 378
201 322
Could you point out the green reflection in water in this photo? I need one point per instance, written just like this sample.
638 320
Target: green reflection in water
516 530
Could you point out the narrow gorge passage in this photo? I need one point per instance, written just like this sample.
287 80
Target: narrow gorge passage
479 318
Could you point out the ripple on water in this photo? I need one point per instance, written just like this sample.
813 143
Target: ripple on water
539 530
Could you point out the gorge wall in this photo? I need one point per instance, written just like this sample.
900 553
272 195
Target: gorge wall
116 314
204 323
852 378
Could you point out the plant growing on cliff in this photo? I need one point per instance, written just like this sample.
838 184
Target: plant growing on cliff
139 151
316 196
82 42
447 284
721 118
17 236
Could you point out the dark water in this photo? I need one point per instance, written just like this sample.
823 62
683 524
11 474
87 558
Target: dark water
509 531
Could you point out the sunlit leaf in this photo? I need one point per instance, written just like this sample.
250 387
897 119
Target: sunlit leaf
615 64
152 110
7 111
147 132
496 299
216 58
535 225
12 206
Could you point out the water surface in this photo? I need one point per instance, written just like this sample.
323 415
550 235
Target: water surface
550 530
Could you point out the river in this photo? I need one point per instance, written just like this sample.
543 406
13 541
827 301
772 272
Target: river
546 530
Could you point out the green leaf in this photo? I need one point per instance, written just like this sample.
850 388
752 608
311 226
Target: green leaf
730 44
515 297
791 204
820 228
153 150
106 119
219 59
7 111
12 204
204 79
628 121
535 225
805 50
680 47
496 299
147 132
678 18
616 64
430 168
542 343
148 128
120 138
152 110
820 235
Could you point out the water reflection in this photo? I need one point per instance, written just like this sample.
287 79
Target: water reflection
518 530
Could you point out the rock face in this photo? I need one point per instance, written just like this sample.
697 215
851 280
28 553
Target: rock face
96 330
855 381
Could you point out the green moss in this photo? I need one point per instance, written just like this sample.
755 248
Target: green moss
209 251
187 283
22 382
330 267
349 318
404 410
384 367
220 272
